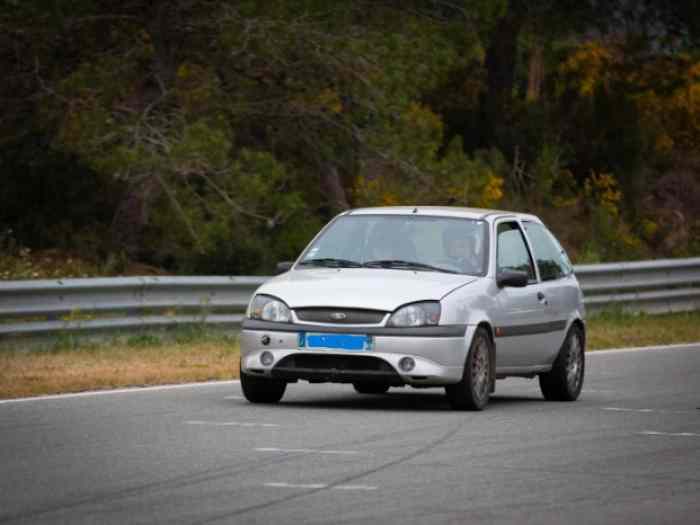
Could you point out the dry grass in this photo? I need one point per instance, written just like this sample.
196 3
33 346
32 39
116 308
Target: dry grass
616 330
90 366
67 365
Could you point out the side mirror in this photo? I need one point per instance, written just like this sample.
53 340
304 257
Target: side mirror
512 278
284 266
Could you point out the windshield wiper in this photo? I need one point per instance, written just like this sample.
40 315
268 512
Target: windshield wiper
330 262
408 265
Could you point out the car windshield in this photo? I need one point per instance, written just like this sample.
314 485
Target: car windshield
403 242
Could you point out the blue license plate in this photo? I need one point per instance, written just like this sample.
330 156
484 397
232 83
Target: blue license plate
349 342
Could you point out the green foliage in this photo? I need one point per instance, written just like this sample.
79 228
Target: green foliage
217 137
142 340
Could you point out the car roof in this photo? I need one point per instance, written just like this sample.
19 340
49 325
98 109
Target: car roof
443 211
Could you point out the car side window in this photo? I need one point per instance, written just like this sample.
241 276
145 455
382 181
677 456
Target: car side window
550 256
512 252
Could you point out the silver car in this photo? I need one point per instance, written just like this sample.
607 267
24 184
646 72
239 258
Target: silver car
420 296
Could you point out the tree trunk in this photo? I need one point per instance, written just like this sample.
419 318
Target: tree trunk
332 188
535 73
131 217
162 19
500 70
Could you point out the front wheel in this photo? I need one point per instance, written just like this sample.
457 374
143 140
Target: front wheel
565 380
262 389
473 391
371 388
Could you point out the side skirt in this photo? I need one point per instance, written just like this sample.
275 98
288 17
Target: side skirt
521 371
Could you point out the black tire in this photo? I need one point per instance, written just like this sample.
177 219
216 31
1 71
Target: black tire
474 390
262 389
565 380
371 388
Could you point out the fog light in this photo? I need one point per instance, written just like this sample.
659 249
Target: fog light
267 358
406 364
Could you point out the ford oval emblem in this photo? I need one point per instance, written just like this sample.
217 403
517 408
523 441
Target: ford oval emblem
338 316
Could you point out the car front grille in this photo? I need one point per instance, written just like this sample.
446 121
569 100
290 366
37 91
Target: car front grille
339 315
336 368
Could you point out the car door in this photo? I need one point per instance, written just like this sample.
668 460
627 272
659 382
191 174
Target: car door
521 316
558 283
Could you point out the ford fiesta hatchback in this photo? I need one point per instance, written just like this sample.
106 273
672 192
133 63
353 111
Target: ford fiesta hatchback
420 296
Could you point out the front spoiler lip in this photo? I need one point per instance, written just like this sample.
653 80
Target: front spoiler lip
320 375
450 330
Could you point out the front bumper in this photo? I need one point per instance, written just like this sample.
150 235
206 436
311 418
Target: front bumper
439 359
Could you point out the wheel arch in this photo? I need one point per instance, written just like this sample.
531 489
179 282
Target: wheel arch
578 322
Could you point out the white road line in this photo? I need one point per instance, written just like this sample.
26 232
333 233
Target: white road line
648 410
674 434
130 390
230 424
298 485
234 397
320 486
618 409
610 351
306 451
355 487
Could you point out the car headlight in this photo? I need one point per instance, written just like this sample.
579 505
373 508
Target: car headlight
426 313
268 308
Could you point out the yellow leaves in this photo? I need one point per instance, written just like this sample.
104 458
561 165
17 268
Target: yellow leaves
665 90
604 189
663 143
672 118
589 64
329 99
694 71
649 229
185 71
492 191
389 199
422 117
630 241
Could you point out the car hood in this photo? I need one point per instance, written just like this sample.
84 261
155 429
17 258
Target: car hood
376 289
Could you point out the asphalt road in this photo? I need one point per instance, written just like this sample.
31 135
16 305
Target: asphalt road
627 452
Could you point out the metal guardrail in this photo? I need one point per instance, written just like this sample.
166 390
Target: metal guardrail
131 302
122 302
660 286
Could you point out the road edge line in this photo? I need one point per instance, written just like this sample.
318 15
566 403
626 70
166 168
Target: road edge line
127 390
677 346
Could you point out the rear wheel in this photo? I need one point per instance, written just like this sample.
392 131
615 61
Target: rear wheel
371 388
473 391
262 389
565 380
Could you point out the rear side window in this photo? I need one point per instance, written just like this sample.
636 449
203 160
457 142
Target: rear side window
551 258
512 253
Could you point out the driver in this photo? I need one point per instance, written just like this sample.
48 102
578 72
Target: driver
460 247
388 241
